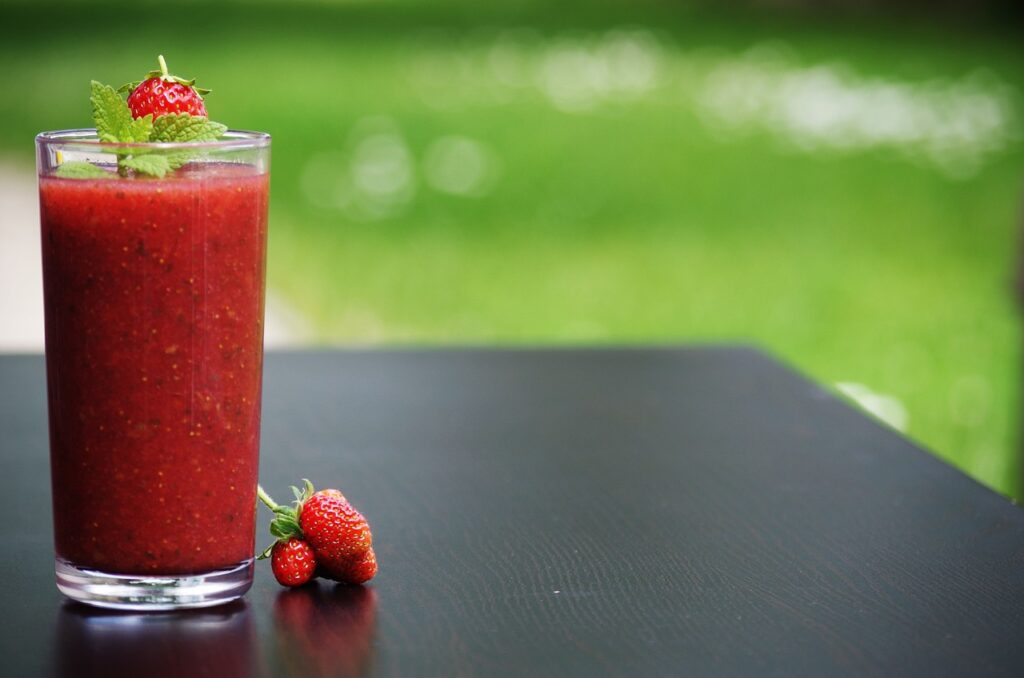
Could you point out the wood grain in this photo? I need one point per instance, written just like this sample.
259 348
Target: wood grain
698 511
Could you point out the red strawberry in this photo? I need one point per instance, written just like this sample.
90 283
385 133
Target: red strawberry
356 570
161 93
293 562
336 531
333 493
326 523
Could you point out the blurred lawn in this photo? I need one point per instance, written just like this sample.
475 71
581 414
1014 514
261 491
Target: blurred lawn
626 221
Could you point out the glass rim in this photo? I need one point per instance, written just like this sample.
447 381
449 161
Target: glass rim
87 137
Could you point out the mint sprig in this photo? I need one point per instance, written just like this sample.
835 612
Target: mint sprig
182 127
153 165
110 114
82 170
114 124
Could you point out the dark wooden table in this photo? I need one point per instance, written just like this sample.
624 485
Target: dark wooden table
698 511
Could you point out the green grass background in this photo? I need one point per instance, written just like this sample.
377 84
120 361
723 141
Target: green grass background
629 223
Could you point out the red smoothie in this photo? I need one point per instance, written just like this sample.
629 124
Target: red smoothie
154 350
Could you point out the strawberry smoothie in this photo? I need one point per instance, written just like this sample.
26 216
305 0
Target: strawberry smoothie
154 346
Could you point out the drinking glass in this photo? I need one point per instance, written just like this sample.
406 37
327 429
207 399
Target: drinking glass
154 298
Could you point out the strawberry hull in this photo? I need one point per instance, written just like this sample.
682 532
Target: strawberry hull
154 348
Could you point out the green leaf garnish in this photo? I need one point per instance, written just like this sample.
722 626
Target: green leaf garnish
182 127
139 130
110 113
154 165
114 124
82 170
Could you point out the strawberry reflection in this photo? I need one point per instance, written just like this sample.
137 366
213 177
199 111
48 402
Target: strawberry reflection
218 641
326 630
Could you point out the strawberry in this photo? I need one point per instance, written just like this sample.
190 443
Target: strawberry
293 562
335 529
161 93
337 534
356 570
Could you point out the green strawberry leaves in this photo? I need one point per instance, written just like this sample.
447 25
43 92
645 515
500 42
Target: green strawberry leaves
114 124
162 73
285 523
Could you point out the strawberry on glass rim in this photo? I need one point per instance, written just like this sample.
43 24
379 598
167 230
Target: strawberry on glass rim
163 109
162 93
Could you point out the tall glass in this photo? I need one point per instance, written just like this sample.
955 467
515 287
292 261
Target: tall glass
154 293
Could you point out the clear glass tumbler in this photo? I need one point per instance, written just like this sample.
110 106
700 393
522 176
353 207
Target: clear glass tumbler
154 296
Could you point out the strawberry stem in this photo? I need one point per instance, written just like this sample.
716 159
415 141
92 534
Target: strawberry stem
260 492
163 66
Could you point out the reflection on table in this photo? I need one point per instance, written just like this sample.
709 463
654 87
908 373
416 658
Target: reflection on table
325 630
218 641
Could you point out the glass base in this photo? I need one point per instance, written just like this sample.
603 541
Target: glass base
134 592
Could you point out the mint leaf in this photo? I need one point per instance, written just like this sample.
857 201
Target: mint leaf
110 112
82 170
176 160
182 127
185 128
155 165
139 130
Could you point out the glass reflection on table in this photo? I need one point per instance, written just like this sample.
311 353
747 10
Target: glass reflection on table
217 641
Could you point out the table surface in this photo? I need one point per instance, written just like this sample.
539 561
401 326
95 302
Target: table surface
694 511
